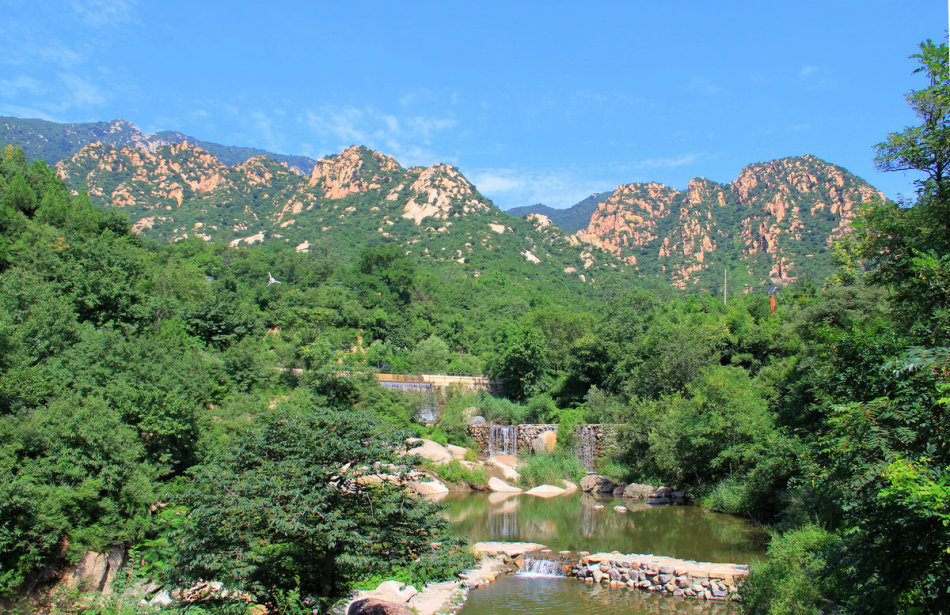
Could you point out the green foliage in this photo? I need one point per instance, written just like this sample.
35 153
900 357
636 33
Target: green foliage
71 469
280 510
550 468
455 472
795 579
521 361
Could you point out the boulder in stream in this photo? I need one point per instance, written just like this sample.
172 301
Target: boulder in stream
498 485
546 491
597 484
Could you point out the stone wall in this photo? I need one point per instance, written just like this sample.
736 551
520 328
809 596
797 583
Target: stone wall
603 436
689 579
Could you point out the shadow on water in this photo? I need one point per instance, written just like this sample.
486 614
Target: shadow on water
571 522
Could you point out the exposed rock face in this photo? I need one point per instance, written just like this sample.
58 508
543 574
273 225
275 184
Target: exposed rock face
356 169
178 191
778 217
441 191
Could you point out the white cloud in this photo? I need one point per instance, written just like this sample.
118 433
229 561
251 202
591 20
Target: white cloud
407 137
807 71
666 163
10 88
514 187
80 91
103 13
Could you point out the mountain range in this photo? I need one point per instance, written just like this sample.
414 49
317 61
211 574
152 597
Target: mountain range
776 221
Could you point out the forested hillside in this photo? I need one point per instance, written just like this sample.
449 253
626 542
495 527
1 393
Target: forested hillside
174 399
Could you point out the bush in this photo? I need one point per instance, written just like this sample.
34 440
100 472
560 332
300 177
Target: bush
791 581
503 411
549 469
455 472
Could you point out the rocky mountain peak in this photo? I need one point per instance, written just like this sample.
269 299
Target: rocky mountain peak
356 169
441 191
778 214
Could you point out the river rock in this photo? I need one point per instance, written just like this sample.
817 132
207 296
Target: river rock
597 483
544 442
476 420
498 485
568 485
429 487
458 452
545 491
394 591
375 606
508 472
638 491
620 509
430 450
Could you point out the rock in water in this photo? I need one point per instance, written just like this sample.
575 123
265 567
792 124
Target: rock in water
597 484
545 491
496 484
637 491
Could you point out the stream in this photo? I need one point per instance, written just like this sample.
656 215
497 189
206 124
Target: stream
575 522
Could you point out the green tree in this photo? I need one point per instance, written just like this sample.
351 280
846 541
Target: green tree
521 361
283 510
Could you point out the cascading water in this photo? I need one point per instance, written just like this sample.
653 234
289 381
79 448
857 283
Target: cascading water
587 447
428 411
540 568
503 440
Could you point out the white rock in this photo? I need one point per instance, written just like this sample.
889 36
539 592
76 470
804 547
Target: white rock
498 485
430 450
394 591
456 451
546 491
429 487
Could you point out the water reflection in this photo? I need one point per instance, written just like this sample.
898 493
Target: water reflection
571 522
516 595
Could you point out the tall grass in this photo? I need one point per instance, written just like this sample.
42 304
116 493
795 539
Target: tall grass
550 468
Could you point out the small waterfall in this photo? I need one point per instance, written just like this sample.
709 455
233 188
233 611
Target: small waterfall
540 568
588 445
503 440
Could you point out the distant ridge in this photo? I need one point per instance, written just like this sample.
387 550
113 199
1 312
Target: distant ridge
572 219
53 142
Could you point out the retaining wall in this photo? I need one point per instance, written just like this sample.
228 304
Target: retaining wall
604 435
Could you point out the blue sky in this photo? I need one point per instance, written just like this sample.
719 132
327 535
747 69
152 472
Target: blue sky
533 101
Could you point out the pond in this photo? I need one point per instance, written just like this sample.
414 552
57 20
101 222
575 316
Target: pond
572 523
583 522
